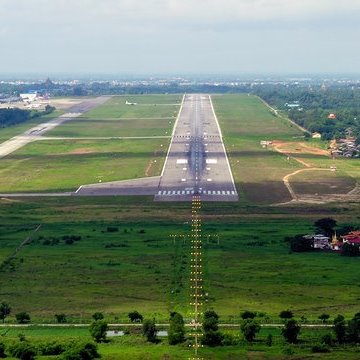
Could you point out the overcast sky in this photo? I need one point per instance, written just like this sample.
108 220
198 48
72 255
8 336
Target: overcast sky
179 36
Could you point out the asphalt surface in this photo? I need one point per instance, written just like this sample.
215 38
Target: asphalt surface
34 133
197 163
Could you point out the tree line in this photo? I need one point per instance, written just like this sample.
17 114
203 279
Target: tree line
9 117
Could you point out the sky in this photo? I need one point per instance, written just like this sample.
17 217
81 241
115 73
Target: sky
179 36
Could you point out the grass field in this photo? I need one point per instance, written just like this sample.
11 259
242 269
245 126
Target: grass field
60 165
245 121
126 258
259 172
139 267
135 347
11 131
154 115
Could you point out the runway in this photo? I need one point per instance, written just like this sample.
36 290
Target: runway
197 163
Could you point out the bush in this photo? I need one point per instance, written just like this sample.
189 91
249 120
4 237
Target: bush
286 314
22 317
60 318
97 316
22 350
248 315
2 350
79 351
320 348
112 229
51 348
135 316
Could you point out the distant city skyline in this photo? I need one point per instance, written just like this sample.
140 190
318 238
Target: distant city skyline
179 36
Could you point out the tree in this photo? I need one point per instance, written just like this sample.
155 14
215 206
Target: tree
60 318
22 317
211 320
291 331
98 330
98 316
340 328
250 328
176 333
286 314
326 226
247 315
301 244
149 330
350 250
135 316
5 311
211 335
353 330
79 351
324 317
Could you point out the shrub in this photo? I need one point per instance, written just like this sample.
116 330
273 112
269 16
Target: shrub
97 316
22 350
248 315
79 351
2 350
60 318
286 314
112 229
22 317
135 316
51 348
320 348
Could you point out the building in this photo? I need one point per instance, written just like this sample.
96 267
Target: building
316 135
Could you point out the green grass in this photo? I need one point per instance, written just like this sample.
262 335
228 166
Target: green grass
148 106
116 272
65 165
134 346
111 128
258 173
11 131
154 115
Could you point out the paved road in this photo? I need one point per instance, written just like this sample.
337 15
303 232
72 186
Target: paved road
32 134
197 162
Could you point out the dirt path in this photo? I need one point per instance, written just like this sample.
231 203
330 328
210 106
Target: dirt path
287 182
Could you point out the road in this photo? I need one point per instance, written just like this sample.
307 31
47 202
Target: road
197 163
17 142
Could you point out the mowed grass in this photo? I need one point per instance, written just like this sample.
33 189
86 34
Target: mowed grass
139 267
111 128
65 165
147 106
322 182
153 115
258 173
